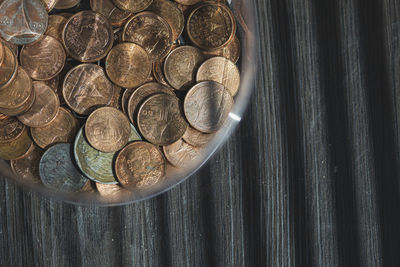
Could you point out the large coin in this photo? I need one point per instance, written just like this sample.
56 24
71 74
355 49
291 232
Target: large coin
207 106
8 69
160 119
128 65
66 4
140 164
116 16
86 87
231 51
56 26
18 92
27 167
88 36
180 154
49 4
197 138
44 59
15 140
151 32
58 172
132 6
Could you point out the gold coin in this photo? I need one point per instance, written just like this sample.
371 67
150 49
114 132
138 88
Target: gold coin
196 138
66 4
16 148
107 129
8 69
55 27
132 6
27 167
231 51
181 154
18 92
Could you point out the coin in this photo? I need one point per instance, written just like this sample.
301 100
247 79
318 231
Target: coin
12 46
116 98
222 70
22 109
211 26
65 15
10 129
49 4
58 172
61 130
89 187
140 164
132 6
1 53
180 154
207 106
22 21
107 8
158 72
181 65
197 138
8 69
66 4
188 2
44 108
88 36
44 59
231 51
140 94
110 190
18 92
86 87
151 32
27 167
161 120
107 129
54 84
56 26
16 147
128 65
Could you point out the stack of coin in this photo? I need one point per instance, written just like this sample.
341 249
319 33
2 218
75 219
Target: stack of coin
114 93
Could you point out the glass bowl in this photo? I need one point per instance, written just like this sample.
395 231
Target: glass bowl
244 11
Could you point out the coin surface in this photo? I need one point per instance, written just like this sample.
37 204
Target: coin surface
86 87
116 98
181 65
55 27
43 59
197 138
49 4
211 26
107 129
188 2
22 21
158 72
21 109
1 53
58 172
181 154
18 92
140 164
160 119
150 31
231 51
222 70
54 84
16 147
44 108
132 6
61 130
88 36
116 16
27 167
128 65
207 106
66 4
110 190
8 69
10 129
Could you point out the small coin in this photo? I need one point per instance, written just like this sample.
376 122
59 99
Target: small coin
160 119
128 65
56 26
150 31
22 21
197 138
49 4
88 36
18 92
66 4
132 6
211 26
222 70
181 154
207 106
231 51
107 8
16 147
107 129
8 69
10 129
44 59
58 172
27 167
86 87
22 109
181 65
44 109
140 164
61 130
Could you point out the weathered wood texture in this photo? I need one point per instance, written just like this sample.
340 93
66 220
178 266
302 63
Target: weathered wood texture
311 177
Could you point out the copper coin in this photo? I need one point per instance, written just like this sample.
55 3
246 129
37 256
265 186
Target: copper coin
86 87
128 65
56 26
222 70
18 92
10 129
207 106
65 15
1 53
197 138
125 99
62 129
27 167
132 6
181 154
181 65
49 4
116 16
107 129
44 59
22 109
116 100
110 190
188 2
158 72
66 4
211 26
17 147
140 164
140 94
8 69
171 13
160 119
231 51
12 46
22 21
150 31
44 109
88 36
54 83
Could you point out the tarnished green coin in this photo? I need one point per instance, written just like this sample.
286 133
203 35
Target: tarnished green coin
97 165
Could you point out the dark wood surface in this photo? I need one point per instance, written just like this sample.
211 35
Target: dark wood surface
311 177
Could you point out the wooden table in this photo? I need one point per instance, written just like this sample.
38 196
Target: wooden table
311 177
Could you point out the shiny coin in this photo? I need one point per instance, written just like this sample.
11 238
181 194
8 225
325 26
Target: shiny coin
88 36
86 87
196 138
61 130
21 109
49 4
18 140
207 106
132 6
140 164
116 16
211 26
231 51
44 108
107 129
151 32
44 59
27 167
56 26
222 70
181 65
160 119
180 154
58 172
128 65
66 4
8 69
18 92
22 22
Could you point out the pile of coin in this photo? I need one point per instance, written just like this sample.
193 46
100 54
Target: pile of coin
107 95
